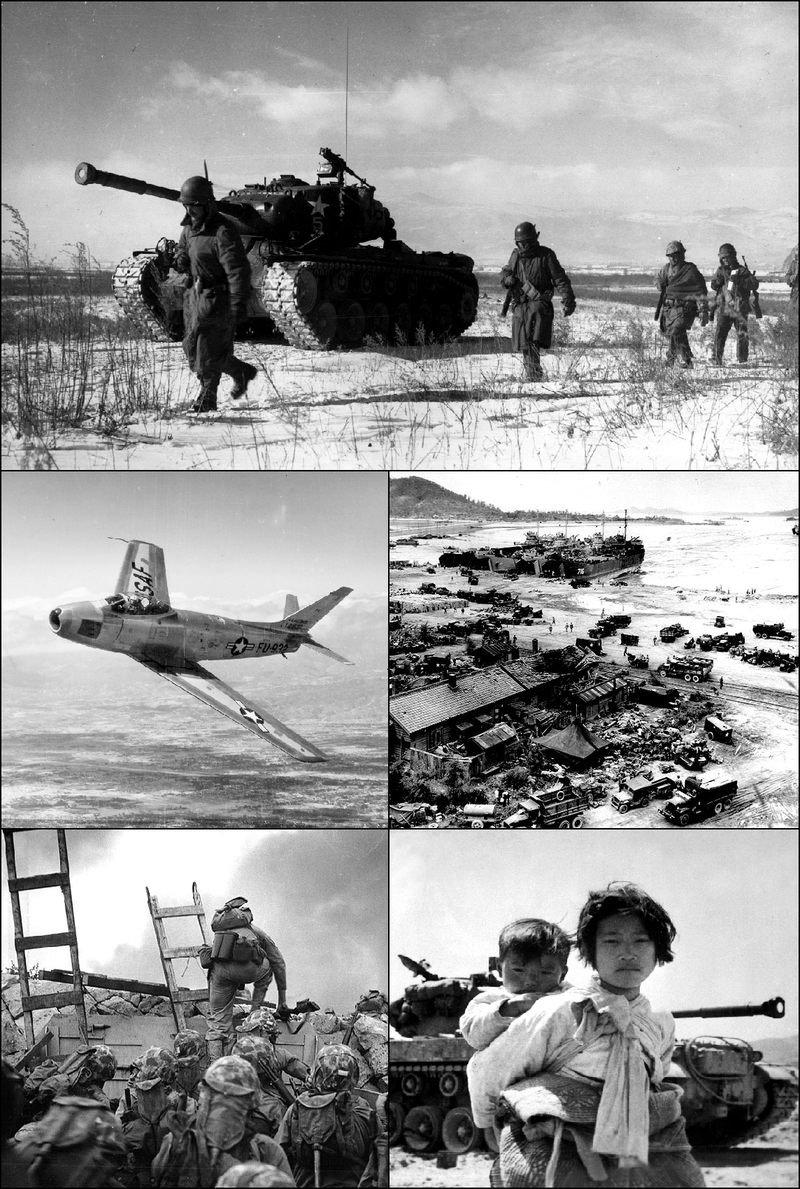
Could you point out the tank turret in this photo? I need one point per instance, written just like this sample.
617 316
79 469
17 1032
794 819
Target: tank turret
729 1092
314 278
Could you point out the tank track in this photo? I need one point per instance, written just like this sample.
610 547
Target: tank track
135 285
784 1101
318 304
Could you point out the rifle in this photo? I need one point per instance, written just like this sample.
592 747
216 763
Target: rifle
512 292
756 302
660 305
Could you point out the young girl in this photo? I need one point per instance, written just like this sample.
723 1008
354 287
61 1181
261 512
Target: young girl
576 1083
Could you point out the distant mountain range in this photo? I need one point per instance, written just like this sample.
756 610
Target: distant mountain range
414 497
596 236
782 1050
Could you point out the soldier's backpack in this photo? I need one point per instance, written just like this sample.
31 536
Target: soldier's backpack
318 1139
229 945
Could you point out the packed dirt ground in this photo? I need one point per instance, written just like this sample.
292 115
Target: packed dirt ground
770 1162
759 703
606 401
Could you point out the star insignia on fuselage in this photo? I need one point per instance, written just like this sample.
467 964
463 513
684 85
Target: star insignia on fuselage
241 645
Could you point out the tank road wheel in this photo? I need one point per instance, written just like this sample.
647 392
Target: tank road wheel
390 285
412 1084
423 1128
459 1133
450 1084
442 320
467 307
340 282
379 321
396 1118
326 323
412 285
402 322
306 291
491 1139
364 284
423 318
352 324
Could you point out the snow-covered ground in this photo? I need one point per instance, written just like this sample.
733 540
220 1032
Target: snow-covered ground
606 402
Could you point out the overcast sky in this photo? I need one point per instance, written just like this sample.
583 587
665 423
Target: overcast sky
628 106
698 492
320 894
732 895
227 539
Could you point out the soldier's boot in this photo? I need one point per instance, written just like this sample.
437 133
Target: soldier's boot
533 364
207 400
742 348
248 374
216 1048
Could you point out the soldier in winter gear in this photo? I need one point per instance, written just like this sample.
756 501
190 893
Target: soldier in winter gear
683 288
734 285
531 276
211 254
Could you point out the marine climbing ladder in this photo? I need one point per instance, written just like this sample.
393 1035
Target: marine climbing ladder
179 995
29 883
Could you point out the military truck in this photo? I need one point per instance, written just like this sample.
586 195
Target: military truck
690 668
639 660
558 808
620 621
640 790
696 800
772 631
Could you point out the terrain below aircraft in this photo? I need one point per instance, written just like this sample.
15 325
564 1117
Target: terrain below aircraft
138 620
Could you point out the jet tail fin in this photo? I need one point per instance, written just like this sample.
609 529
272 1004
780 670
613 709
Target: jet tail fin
303 620
143 572
309 643
292 605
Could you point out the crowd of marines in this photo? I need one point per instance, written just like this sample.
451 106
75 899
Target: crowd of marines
256 1116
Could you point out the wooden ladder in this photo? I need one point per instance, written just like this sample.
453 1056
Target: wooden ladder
59 879
179 996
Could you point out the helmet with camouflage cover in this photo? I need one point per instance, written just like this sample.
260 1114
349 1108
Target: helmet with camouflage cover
261 1020
335 1069
75 1144
373 1001
525 231
674 246
102 1064
258 1052
254 1176
189 1047
157 1065
231 1075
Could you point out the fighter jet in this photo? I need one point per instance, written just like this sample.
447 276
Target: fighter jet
139 620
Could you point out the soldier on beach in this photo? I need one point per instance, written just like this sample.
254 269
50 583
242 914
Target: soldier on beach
531 276
734 285
684 290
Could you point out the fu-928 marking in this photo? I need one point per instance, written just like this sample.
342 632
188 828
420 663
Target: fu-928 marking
138 620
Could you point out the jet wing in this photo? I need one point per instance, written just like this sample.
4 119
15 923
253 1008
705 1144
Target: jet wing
197 681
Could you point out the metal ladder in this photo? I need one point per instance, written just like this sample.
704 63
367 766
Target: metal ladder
168 953
58 879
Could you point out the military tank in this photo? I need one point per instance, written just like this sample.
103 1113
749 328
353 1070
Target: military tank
730 1093
315 276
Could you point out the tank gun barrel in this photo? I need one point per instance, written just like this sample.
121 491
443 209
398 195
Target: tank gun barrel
87 175
770 1007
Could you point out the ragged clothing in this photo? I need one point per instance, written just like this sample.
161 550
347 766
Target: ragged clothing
482 1023
586 1033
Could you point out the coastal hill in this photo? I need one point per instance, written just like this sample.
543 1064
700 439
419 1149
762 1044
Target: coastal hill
422 499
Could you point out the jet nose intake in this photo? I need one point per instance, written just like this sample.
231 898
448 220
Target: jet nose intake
55 619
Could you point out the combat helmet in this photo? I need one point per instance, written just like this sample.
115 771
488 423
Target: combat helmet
525 231
257 1052
196 189
231 1075
373 1001
102 1064
254 1176
189 1047
726 250
335 1069
674 245
260 1020
75 1144
157 1065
